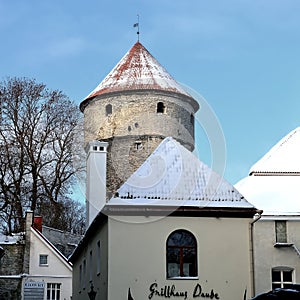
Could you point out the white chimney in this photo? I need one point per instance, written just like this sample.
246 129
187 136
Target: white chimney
95 179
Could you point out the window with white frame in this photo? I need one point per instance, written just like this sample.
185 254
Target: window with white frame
53 291
280 231
43 261
282 277
181 254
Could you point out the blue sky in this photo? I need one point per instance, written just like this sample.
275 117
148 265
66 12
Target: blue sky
242 56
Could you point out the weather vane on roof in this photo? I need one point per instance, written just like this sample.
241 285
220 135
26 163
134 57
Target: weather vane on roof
138 27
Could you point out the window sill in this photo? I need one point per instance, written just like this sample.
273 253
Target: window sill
280 245
183 278
44 265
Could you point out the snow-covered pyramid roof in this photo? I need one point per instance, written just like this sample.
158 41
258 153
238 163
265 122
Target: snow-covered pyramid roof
274 181
137 70
173 176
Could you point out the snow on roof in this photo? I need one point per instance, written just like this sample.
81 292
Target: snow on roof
138 69
272 194
283 157
11 239
173 176
274 181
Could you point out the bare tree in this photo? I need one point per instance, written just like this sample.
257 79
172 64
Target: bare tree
37 144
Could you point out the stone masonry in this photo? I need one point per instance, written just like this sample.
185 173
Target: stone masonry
133 126
11 268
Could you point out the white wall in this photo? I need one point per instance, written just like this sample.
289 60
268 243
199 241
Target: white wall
57 271
136 257
267 256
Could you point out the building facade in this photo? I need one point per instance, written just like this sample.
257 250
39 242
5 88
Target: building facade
31 267
49 272
133 260
273 185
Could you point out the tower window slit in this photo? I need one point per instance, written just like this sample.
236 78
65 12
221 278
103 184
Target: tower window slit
161 108
108 109
192 118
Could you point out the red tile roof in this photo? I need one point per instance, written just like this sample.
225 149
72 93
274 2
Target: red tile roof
137 70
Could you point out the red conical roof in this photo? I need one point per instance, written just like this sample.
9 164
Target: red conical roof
137 70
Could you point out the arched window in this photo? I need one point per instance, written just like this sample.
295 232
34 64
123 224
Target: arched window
160 108
108 109
181 254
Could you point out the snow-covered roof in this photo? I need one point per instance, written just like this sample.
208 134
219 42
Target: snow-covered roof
274 181
272 194
137 70
173 176
11 239
283 157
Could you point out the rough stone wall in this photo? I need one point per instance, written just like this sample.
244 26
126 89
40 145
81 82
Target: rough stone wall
136 114
12 261
134 128
11 264
10 289
124 156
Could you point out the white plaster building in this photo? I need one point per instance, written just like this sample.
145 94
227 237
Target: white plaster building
50 273
273 186
32 267
174 229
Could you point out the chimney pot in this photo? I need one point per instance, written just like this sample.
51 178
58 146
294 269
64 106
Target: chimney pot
38 223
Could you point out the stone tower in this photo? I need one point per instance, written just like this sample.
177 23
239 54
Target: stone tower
134 108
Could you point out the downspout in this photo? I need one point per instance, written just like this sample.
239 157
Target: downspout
252 269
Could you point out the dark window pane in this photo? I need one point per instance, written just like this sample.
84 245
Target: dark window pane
189 254
287 276
181 238
173 255
276 276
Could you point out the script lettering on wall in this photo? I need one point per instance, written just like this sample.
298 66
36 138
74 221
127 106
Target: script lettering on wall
170 291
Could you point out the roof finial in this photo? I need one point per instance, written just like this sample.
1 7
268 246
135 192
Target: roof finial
138 27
